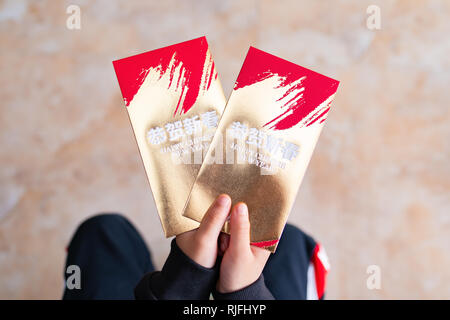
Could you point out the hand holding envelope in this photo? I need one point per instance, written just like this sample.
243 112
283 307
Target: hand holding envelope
201 244
242 264
267 133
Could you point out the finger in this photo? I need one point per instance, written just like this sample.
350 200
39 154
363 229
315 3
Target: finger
224 241
239 229
214 218
260 254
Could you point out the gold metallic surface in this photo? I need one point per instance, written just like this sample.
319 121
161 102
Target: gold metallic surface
269 196
171 181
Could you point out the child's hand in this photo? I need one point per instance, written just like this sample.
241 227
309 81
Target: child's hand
242 263
201 244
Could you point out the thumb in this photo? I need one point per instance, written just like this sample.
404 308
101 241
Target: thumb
239 229
215 218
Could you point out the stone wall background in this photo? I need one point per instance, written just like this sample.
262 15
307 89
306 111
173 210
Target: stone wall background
377 190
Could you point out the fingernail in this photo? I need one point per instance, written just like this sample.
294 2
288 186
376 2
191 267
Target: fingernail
242 209
223 200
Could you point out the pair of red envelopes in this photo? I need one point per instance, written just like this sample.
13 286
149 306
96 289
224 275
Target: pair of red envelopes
195 145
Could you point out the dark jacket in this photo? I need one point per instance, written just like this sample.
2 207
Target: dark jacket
182 278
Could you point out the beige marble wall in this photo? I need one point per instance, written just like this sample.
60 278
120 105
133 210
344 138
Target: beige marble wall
377 191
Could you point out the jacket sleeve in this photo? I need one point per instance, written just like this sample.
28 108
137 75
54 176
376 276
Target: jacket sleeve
180 278
256 291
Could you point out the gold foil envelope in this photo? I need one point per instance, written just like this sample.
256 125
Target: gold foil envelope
264 142
174 101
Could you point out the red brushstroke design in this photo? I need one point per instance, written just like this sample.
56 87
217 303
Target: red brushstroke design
190 55
265 244
306 89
